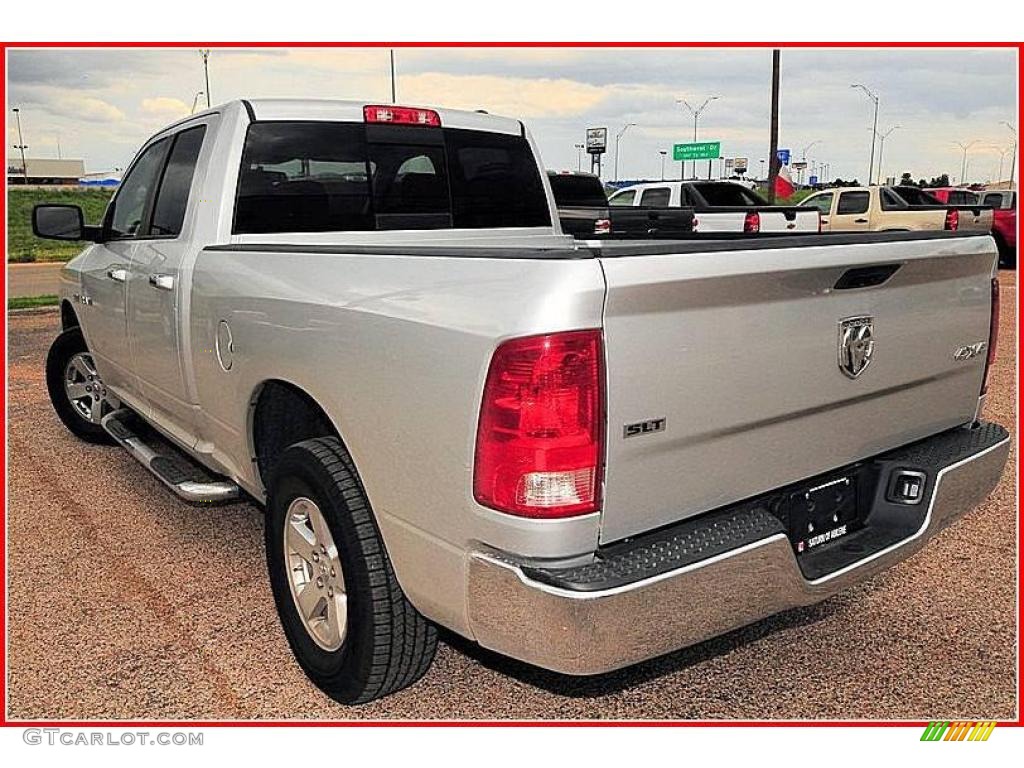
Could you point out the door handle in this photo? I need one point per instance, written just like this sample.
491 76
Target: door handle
119 274
163 282
824 220
860 221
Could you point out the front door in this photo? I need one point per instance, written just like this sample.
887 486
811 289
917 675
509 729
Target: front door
823 202
156 292
107 268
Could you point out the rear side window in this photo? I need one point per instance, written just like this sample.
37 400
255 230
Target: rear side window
623 198
172 196
320 177
963 198
658 196
852 202
995 200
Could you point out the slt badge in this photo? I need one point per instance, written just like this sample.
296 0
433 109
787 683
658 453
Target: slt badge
856 344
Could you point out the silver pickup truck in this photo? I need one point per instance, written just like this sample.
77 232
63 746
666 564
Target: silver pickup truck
367 320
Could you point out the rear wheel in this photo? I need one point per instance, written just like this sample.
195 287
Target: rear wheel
77 391
346 619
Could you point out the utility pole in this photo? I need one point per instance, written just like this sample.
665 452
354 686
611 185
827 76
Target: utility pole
874 128
1013 160
579 156
881 148
394 97
21 146
773 142
664 154
59 155
696 116
963 162
618 136
205 53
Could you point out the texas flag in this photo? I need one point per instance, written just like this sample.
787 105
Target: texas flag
784 183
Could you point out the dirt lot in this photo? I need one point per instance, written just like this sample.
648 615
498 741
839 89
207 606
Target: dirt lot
125 603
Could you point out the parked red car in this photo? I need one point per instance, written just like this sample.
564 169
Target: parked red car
1004 215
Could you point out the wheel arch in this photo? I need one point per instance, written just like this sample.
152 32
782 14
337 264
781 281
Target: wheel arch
68 316
280 414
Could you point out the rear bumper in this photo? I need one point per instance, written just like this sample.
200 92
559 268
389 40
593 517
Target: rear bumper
676 588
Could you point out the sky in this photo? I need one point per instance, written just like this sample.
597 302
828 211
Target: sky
103 104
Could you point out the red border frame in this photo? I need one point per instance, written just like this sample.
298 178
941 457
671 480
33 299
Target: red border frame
4 722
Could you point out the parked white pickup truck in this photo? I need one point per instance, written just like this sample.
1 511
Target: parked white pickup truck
366 319
720 206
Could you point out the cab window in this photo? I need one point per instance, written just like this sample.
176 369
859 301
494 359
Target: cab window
623 198
172 197
656 197
851 203
822 202
128 209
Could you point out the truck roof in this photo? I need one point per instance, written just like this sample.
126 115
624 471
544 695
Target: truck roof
352 111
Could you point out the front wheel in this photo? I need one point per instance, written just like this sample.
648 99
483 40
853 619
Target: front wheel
77 391
343 612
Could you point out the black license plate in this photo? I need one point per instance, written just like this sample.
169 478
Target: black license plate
822 513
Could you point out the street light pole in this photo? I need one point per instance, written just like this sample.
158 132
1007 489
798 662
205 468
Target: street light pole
394 97
874 127
21 146
696 116
963 162
663 153
618 137
803 157
195 100
1013 160
881 148
205 53
579 156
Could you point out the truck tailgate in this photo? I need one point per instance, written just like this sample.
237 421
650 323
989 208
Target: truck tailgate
738 351
789 220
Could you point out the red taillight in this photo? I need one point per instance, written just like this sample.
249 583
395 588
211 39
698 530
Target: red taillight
539 443
696 223
374 113
752 222
993 334
602 227
952 220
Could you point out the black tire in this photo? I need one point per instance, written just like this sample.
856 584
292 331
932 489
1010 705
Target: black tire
1007 255
388 645
68 344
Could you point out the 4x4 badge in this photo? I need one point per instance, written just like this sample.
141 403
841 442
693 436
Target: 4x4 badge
856 344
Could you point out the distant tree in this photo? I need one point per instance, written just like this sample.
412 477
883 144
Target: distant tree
922 183
939 181
906 180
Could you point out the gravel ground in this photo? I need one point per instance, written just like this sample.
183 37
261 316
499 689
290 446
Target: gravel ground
125 603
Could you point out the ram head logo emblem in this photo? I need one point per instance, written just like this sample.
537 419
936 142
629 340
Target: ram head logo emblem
856 344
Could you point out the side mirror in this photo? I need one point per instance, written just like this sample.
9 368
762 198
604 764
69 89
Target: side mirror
61 222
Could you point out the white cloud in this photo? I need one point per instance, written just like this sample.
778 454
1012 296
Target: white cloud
85 108
165 107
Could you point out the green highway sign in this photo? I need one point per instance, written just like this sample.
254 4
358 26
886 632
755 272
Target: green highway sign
700 150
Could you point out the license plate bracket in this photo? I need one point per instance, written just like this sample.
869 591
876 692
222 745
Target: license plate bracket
822 513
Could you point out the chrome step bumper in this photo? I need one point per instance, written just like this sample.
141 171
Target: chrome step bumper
557 620
183 476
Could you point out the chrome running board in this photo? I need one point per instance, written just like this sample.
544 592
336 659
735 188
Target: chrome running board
167 463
